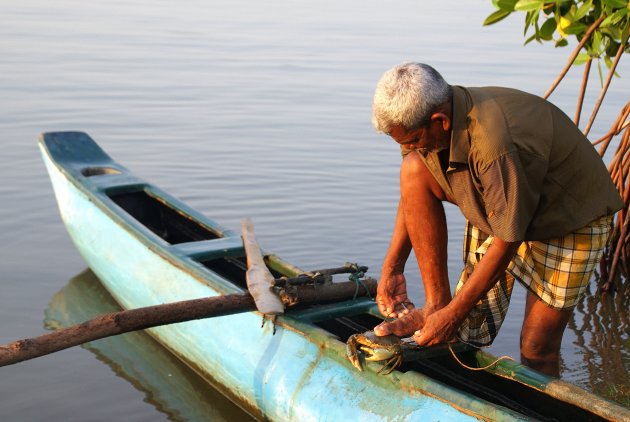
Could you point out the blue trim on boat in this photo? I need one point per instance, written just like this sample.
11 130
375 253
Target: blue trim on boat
299 373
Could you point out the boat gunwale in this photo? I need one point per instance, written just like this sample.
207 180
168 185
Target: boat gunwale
98 191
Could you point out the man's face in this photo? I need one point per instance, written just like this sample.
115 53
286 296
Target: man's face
433 137
415 139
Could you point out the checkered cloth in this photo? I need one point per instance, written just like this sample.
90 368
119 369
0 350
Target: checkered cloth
557 271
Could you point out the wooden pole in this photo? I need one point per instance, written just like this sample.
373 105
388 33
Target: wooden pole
259 278
602 94
580 102
152 316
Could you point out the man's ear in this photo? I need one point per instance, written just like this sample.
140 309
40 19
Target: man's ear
443 119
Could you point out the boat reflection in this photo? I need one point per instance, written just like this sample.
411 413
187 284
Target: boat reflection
601 325
171 387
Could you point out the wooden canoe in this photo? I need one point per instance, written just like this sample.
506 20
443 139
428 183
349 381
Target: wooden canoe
148 248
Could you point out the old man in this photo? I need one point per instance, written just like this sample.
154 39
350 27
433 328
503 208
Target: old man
537 198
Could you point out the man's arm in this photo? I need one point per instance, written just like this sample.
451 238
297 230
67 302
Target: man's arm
421 222
392 287
399 246
441 326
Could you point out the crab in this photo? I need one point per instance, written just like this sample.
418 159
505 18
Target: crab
376 348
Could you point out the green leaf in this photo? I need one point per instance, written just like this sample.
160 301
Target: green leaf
616 4
625 34
528 22
581 59
530 39
612 49
609 64
562 43
615 18
531 19
596 43
497 16
527 5
583 10
506 5
575 28
564 8
612 32
558 2
547 29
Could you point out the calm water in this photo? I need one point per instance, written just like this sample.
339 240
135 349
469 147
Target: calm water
241 109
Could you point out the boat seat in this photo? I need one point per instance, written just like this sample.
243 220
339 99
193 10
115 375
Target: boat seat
117 183
204 250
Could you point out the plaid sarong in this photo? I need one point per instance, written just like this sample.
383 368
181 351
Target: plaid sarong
557 271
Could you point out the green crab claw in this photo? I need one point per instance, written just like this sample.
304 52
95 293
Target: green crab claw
356 363
376 355
353 355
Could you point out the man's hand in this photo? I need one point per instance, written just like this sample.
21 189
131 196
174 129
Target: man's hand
439 327
391 296
404 326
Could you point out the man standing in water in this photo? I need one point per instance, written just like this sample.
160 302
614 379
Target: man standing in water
537 198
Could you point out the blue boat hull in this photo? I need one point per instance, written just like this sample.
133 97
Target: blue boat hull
300 373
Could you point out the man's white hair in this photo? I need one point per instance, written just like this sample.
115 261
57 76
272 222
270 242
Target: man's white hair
407 95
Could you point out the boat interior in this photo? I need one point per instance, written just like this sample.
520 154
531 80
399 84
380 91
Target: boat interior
151 210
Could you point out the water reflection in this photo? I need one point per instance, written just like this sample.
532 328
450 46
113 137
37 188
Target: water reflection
601 326
171 387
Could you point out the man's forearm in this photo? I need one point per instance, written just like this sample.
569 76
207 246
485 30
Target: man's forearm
399 246
486 274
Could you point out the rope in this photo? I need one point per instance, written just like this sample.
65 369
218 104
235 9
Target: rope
356 276
477 369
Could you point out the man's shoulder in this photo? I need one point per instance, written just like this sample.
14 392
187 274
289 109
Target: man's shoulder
503 120
480 94
497 106
496 90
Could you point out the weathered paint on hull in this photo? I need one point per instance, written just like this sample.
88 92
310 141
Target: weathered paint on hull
299 373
